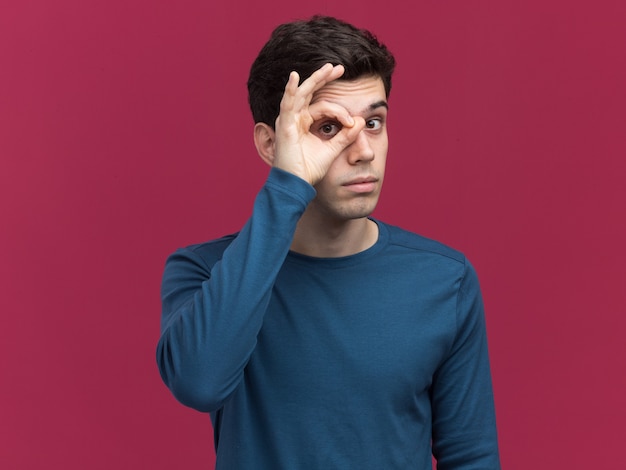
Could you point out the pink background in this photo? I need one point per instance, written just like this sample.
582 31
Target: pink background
125 133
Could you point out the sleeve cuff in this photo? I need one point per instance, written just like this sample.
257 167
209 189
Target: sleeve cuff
290 183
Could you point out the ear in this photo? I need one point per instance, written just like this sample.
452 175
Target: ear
264 140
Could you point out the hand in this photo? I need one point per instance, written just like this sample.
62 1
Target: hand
300 148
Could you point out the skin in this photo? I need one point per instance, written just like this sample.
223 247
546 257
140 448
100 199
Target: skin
332 133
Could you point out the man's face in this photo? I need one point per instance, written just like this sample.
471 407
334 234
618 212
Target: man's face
352 185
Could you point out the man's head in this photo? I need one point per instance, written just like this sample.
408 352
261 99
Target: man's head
304 47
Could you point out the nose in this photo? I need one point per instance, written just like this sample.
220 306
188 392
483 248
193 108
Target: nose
360 151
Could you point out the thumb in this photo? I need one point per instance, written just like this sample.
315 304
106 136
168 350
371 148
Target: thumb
347 135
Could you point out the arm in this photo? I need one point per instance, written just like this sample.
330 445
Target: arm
213 310
212 314
464 427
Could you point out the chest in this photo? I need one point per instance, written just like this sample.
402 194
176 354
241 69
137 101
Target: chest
338 331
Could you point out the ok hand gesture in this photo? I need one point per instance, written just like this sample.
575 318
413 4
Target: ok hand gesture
300 148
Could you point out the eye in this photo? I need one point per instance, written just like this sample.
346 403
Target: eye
328 129
374 124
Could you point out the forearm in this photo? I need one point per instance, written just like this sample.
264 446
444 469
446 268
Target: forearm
464 426
212 312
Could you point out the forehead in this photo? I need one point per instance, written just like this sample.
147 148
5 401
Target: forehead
357 96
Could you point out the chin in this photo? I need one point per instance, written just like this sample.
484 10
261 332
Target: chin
342 209
357 211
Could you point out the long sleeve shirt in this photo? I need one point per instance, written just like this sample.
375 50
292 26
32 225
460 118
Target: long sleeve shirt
376 360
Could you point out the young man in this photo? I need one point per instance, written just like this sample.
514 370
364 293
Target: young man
317 337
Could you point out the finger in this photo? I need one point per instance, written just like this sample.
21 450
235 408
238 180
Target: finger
292 83
291 88
308 85
319 78
324 110
297 96
347 135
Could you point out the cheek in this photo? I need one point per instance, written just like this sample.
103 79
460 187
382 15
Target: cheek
381 144
381 156
322 186
336 169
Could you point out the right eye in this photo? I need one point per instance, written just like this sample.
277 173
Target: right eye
328 130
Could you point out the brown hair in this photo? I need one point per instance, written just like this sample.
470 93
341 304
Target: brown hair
305 46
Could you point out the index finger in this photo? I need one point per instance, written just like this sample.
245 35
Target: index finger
322 111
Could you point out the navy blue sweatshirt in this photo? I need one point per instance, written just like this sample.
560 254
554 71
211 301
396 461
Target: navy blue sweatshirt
370 361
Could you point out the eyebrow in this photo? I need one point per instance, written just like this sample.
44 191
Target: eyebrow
378 104
373 107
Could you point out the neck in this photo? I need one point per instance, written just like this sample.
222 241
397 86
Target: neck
324 239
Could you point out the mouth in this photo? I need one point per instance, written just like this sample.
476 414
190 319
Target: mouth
365 184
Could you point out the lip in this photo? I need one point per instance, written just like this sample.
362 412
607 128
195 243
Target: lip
362 185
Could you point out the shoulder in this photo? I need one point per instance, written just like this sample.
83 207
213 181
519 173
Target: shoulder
437 260
413 242
206 253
